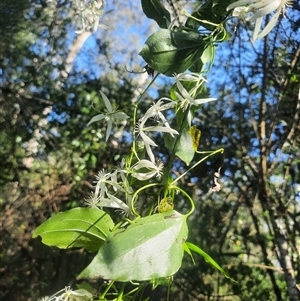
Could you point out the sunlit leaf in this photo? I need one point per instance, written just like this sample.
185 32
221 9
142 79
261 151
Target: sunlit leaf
151 247
79 227
184 147
195 135
170 52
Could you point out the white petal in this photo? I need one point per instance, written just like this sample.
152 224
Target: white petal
120 115
106 102
149 152
97 118
273 4
113 202
257 28
262 12
158 128
144 164
183 91
144 176
108 130
240 3
147 140
204 100
269 27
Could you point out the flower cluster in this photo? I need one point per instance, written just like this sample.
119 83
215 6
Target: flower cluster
108 185
188 97
113 189
155 113
251 10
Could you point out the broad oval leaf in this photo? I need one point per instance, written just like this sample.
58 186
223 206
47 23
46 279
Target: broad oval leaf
184 147
170 52
151 247
76 228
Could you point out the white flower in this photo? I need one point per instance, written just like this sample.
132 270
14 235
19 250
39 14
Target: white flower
153 170
92 201
240 12
156 109
114 202
258 9
77 295
114 182
111 116
121 170
67 294
101 180
185 97
149 142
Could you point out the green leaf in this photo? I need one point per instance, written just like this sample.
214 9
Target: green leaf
151 247
76 228
165 205
155 10
184 147
195 135
167 281
170 52
209 13
207 258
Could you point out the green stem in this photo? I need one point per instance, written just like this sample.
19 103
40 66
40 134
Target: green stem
221 150
203 21
188 197
136 193
102 296
120 296
169 291
133 150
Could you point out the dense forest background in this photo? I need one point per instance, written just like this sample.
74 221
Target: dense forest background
51 69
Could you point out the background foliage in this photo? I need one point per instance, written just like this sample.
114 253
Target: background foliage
49 91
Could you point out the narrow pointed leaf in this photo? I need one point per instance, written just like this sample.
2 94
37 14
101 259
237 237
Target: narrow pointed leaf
151 247
77 228
207 258
97 118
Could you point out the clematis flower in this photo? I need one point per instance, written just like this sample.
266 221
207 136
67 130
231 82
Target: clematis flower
68 294
258 9
187 98
101 180
110 116
145 169
92 201
113 202
155 111
141 129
